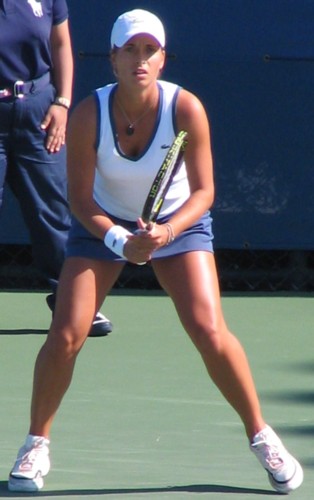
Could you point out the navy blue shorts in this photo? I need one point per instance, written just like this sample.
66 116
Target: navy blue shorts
82 243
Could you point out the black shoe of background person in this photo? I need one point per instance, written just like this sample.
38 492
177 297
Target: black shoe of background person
101 325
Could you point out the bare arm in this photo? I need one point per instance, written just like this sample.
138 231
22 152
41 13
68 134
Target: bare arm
56 117
81 162
62 59
191 117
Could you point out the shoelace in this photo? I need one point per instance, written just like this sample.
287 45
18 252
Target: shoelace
30 457
270 453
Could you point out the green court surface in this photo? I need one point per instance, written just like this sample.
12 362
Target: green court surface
142 419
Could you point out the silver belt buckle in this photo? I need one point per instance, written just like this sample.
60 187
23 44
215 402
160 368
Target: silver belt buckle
18 89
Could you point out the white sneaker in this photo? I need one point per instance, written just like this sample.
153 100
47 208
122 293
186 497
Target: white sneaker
284 471
101 326
31 465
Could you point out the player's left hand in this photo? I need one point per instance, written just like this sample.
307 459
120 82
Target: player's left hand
154 235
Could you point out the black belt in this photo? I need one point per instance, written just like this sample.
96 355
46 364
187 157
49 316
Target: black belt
19 88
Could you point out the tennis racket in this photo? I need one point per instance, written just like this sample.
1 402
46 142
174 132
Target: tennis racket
163 179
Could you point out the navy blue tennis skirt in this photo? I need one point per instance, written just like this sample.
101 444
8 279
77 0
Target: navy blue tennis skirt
82 243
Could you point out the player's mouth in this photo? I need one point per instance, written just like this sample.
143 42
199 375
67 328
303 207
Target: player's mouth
140 72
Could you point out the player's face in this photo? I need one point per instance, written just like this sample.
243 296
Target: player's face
139 62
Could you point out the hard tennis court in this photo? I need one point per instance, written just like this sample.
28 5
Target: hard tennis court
142 419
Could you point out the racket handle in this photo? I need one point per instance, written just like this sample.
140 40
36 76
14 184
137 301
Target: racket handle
139 231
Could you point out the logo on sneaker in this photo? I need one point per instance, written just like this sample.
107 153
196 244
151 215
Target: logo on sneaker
26 465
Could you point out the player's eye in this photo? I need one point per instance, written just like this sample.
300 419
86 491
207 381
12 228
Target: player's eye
151 49
129 48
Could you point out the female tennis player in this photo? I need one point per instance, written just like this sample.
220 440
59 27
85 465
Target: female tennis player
117 141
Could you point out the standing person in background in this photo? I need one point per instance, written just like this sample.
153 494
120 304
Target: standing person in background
36 76
116 143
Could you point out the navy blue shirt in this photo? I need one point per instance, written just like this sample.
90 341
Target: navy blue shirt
25 27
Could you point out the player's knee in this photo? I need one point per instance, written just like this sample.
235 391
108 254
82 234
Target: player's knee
65 344
210 337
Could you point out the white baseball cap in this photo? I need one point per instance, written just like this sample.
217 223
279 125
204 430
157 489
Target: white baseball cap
135 22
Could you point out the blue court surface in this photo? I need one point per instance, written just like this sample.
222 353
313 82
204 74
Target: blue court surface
142 420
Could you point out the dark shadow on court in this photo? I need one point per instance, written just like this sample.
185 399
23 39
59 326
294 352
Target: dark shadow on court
302 431
299 397
23 331
304 367
191 488
308 463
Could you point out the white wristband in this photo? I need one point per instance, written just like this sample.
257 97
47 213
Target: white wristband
116 238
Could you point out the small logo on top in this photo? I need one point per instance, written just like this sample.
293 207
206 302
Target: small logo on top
37 7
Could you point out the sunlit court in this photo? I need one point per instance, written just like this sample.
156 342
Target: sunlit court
142 419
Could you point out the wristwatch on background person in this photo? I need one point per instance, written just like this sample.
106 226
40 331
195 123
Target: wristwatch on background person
62 101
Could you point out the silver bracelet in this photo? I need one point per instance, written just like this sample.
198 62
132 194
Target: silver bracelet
170 233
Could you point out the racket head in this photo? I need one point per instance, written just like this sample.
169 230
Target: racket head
163 179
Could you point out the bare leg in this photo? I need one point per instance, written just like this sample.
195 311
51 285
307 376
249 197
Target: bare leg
191 281
82 288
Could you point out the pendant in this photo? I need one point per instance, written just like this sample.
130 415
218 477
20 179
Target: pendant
130 130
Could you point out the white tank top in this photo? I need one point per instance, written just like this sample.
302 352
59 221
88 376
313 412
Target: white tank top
121 182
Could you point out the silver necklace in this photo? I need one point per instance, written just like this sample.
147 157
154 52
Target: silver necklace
130 129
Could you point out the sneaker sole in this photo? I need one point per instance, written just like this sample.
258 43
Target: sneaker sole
291 484
100 329
21 484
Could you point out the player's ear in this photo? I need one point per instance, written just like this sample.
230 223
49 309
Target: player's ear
163 60
112 57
